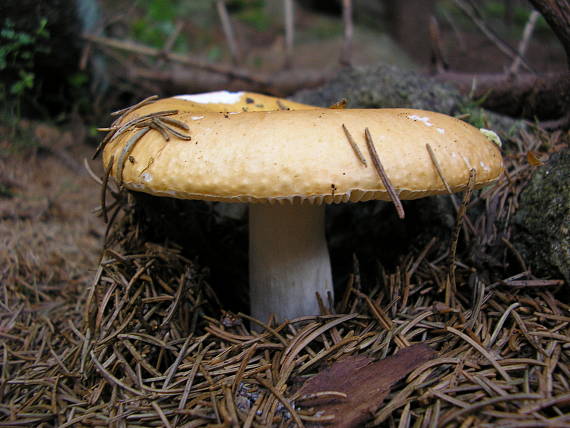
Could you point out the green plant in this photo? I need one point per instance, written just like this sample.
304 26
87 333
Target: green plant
473 111
158 21
18 50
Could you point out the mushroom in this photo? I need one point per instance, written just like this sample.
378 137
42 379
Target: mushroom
288 165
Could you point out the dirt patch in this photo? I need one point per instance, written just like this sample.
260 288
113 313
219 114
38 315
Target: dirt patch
49 235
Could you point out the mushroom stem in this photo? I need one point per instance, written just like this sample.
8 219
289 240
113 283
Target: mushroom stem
288 260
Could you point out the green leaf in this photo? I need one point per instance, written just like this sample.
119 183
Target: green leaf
26 82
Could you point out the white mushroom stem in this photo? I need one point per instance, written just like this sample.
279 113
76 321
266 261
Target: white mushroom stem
288 260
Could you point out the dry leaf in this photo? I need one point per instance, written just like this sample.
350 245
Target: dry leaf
534 158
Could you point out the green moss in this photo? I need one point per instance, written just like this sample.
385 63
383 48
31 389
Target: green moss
543 219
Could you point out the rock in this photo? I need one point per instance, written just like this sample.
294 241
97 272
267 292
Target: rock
384 86
388 86
542 222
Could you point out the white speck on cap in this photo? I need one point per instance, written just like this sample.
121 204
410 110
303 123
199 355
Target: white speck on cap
218 97
197 117
440 130
425 120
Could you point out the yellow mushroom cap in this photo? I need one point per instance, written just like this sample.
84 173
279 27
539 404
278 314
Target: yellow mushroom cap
302 155
220 101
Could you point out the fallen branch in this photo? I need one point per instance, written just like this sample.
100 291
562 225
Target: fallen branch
182 59
179 79
546 97
188 74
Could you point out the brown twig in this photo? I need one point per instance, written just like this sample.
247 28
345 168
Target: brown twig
125 111
382 174
116 131
104 189
354 146
438 168
451 285
523 44
228 30
125 151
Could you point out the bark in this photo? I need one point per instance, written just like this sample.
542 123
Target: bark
364 382
557 14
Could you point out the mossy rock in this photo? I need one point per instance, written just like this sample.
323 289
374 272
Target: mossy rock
542 222
388 86
383 86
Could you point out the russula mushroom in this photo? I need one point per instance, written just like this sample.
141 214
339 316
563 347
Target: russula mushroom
287 165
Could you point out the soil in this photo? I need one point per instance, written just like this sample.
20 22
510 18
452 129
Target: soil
48 231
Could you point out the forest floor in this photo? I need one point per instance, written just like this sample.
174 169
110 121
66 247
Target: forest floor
48 231
135 334
82 345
